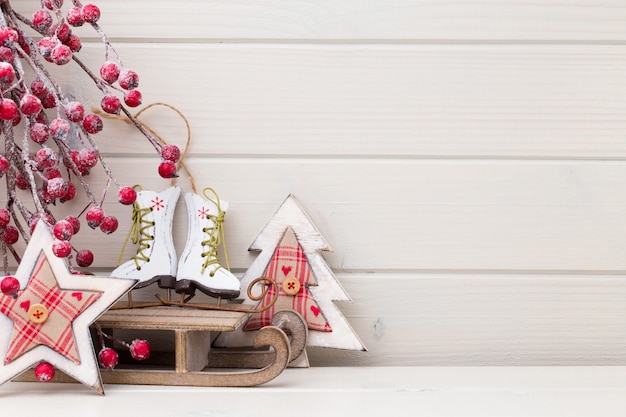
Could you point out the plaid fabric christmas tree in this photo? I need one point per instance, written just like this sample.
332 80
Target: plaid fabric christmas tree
290 269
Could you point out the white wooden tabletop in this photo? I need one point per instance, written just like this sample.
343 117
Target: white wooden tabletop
342 391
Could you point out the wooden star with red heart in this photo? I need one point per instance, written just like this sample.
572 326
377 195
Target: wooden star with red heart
43 313
50 318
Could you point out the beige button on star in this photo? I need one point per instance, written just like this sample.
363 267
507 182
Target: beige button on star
291 285
38 313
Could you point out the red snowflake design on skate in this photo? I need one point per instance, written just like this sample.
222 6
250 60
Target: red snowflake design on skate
203 212
157 203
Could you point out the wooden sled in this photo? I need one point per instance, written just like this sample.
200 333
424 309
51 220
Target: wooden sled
194 362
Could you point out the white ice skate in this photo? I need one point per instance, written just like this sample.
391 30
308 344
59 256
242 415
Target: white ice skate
155 260
199 266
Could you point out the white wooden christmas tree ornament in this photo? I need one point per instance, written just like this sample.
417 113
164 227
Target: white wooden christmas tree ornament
291 220
48 320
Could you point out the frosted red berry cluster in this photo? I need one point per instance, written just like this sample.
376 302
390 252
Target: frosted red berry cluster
108 357
49 163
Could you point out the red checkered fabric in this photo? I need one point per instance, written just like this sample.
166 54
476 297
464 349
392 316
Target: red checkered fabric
289 260
63 306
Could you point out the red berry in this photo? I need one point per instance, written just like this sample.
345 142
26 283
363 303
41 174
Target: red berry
127 195
108 358
82 170
111 104
129 79
61 54
140 349
84 258
45 196
44 372
42 20
167 169
94 216
38 88
5 218
62 32
74 111
63 230
4 166
45 158
8 36
56 188
51 173
8 109
7 73
30 104
10 286
60 129
87 158
6 54
79 168
61 248
74 222
70 159
74 17
70 194
132 98
109 224
46 45
90 13
21 182
48 101
10 235
92 123
74 43
170 153
110 71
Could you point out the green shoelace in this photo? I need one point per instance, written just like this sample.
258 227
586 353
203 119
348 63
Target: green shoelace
138 234
216 235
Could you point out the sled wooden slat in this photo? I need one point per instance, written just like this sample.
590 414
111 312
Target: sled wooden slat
171 318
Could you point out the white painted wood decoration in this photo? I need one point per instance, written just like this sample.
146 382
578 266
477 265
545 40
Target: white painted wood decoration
291 218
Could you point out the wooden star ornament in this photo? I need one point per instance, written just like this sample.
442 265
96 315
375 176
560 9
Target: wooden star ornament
49 318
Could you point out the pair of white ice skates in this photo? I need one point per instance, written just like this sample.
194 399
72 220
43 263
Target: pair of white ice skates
155 261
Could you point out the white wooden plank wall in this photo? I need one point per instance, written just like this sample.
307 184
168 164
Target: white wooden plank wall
466 160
